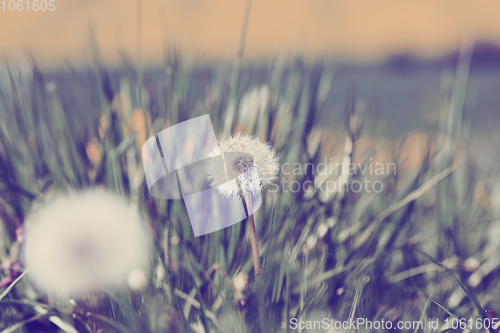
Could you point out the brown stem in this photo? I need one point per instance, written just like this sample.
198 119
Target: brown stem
256 265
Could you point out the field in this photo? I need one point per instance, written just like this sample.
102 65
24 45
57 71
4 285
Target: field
364 222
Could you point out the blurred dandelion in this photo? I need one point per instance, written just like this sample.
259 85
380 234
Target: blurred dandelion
137 280
84 242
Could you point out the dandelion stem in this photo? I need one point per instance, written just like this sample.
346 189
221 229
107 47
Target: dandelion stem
256 265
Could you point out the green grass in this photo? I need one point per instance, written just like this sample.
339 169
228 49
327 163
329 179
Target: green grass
342 256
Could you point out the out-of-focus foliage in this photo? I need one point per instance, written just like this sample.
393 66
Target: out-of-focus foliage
343 254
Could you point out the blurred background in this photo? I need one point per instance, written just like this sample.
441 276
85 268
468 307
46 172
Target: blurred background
360 83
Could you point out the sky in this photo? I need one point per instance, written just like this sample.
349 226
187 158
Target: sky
207 29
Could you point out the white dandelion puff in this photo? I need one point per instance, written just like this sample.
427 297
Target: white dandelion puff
81 243
245 158
242 165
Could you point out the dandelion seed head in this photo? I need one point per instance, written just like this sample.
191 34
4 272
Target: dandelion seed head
84 242
242 164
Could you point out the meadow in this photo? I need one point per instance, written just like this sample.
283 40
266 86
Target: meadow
404 232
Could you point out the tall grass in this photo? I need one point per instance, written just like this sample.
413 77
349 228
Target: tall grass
325 255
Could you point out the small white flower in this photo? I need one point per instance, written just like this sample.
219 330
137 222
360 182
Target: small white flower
245 166
240 282
84 242
137 279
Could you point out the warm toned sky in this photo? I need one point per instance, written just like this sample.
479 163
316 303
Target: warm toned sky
211 28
